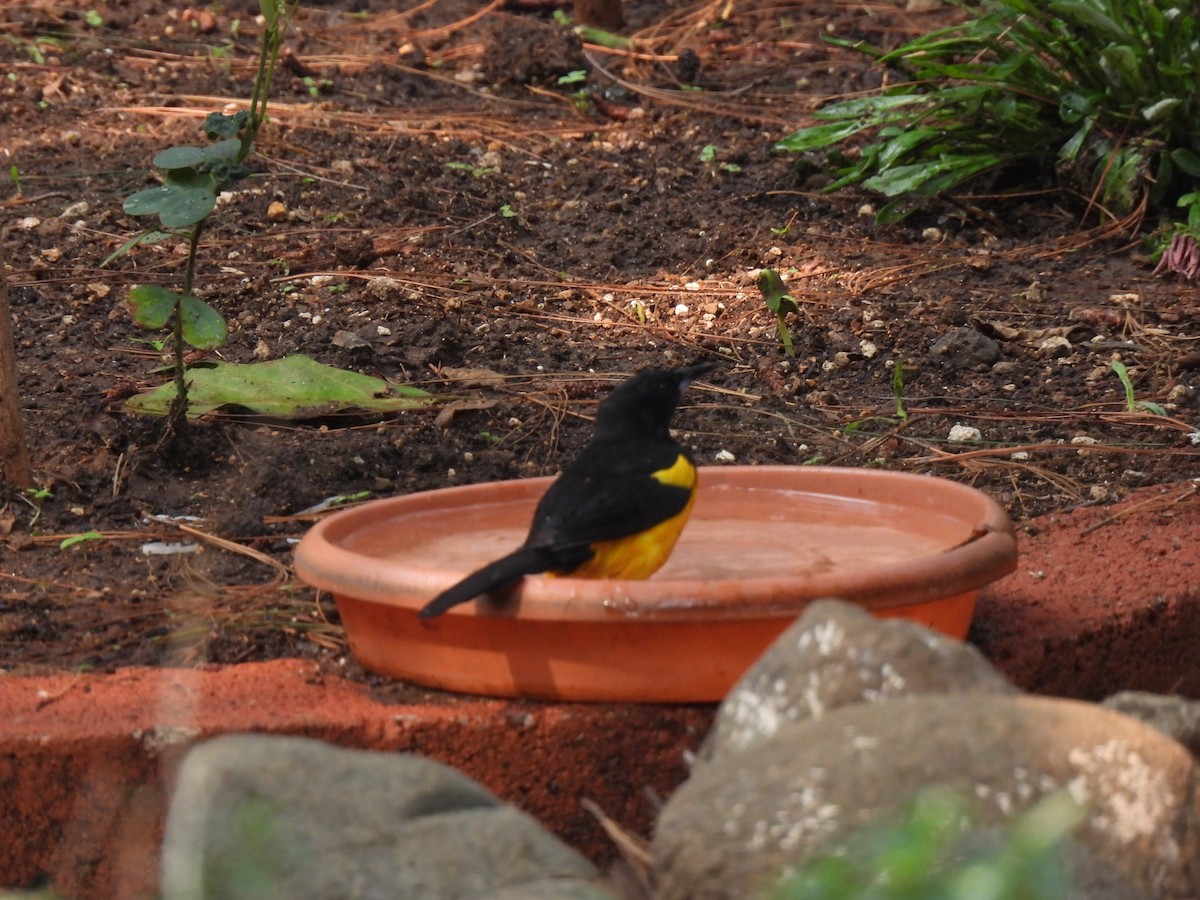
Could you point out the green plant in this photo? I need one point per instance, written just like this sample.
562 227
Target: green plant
780 302
1101 94
476 171
898 389
74 539
926 854
708 154
192 178
1132 404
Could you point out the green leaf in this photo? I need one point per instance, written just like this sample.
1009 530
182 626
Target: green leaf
1160 109
151 236
295 387
180 158
152 305
1120 64
774 292
183 199
79 539
819 136
223 151
203 327
1091 17
219 125
1186 160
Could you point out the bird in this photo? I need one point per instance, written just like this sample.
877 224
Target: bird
618 508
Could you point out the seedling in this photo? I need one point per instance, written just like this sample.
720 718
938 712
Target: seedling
898 389
1132 404
79 539
192 178
476 171
780 302
708 154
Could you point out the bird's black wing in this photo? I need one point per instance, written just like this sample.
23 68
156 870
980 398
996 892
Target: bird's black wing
609 492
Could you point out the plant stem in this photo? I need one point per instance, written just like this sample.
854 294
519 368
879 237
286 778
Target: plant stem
177 418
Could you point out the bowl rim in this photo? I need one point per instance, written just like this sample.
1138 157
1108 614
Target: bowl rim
987 554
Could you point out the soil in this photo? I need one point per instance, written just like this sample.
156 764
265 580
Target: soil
431 204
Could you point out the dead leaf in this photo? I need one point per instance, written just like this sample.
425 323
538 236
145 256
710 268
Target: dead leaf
484 378
447 413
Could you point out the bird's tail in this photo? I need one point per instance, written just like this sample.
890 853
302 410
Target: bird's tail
493 576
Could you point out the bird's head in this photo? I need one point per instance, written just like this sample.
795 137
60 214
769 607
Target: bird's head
645 402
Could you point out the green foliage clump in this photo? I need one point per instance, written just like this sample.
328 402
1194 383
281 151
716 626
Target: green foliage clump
926 856
1104 95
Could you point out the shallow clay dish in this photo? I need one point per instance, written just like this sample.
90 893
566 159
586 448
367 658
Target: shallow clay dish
763 542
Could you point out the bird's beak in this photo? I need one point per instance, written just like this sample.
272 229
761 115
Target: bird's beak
688 374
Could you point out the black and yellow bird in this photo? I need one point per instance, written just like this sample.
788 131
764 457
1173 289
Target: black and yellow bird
618 508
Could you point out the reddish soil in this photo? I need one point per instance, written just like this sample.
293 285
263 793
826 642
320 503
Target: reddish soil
549 244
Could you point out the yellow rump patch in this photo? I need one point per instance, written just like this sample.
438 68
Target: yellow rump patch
680 473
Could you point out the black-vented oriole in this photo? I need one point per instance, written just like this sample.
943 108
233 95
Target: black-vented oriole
618 508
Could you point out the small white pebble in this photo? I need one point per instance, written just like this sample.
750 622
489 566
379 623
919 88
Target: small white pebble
933 235
382 330
867 349
681 309
724 456
1020 455
961 434
866 210
1084 439
692 286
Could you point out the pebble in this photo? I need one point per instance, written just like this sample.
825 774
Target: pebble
962 434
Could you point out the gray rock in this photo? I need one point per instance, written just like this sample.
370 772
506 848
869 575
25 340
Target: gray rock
271 817
837 654
1176 717
741 820
965 348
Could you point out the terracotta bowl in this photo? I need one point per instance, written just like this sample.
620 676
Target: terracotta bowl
763 542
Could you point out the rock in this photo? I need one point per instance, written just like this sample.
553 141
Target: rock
272 817
742 819
1176 717
837 654
965 348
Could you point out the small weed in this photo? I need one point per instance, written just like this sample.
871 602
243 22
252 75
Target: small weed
898 389
79 539
708 154
93 19
780 302
14 175
1132 404
475 171
508 212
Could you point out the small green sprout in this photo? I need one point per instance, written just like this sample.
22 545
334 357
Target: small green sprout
79 539
476 171
93 19
1132 404
507 211
780 302
898 389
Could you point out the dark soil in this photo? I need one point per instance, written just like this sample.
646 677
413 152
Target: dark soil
539 248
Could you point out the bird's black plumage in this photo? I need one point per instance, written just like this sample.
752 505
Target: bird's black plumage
631 478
